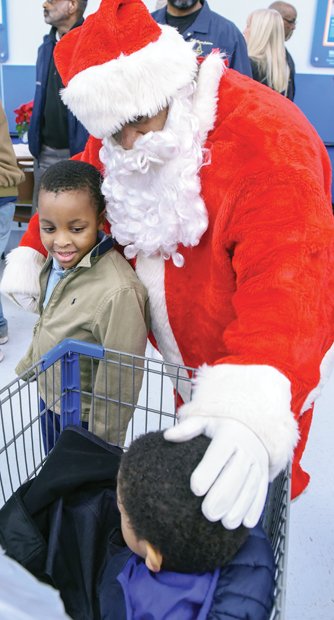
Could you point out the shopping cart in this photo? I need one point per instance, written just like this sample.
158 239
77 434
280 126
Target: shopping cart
21 447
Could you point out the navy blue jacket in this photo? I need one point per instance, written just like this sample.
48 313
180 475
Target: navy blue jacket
244 589
291 84
212 31
77 134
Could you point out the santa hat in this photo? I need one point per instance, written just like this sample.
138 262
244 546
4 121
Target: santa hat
121 64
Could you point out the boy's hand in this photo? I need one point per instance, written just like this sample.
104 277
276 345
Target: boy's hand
234 472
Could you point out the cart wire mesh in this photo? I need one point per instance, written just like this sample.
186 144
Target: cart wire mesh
143 391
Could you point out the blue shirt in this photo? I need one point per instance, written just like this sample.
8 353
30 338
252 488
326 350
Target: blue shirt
211 31
56 274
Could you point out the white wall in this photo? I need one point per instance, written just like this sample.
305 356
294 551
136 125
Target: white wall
301 41
27 27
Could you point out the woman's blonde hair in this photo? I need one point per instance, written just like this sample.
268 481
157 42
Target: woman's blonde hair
265 44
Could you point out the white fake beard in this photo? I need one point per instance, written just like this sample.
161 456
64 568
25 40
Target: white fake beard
153 190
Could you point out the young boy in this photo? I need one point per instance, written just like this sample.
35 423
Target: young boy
88 292
182 565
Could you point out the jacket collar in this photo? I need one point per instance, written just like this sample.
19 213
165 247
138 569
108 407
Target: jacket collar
53 31
166 594
200 24
202 21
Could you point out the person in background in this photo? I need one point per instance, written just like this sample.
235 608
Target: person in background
88 292
264 34
289 15
54 133
10 177
181 565
208 30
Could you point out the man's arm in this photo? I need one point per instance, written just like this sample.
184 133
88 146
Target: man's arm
282 251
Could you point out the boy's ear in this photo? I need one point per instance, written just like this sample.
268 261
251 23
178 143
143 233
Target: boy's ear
153 558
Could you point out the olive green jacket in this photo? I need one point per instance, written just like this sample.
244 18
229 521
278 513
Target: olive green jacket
10 174
100 301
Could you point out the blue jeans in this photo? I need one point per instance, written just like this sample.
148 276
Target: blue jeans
7 211
50 427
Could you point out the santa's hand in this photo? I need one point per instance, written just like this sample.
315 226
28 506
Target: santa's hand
20 280
234 472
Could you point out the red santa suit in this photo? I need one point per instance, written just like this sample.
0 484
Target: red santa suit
253 303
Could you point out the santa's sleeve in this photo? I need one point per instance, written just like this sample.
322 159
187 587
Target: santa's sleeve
20 281
280 239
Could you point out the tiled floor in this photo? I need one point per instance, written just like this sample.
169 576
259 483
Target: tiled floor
310 578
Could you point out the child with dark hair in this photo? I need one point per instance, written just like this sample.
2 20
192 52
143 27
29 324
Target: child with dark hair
88 292
182 566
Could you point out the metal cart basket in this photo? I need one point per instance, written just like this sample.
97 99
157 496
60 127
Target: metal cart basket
142 389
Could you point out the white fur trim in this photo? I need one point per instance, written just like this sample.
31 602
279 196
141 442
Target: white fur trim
206 96
21 275
326 368
151 272
104 97
257 396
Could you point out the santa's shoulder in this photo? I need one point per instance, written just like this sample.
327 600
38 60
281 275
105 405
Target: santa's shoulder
252 113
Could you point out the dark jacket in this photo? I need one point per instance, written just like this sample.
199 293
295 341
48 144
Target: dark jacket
77 134
259 78
58 525
64 527
244 590
211 31
291 84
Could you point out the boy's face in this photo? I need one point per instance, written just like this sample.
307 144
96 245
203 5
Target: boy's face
68 224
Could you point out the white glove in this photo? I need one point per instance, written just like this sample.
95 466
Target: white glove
234 472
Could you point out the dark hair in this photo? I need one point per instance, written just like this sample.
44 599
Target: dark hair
154 488
68 175
82 4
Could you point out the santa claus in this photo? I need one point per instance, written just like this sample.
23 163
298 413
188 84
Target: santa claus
219 189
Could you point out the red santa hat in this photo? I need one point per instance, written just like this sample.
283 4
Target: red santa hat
121 64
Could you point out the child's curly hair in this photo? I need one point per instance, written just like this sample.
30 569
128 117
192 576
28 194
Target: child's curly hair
154 488
68 175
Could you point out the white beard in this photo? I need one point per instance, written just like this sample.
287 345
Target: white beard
153 190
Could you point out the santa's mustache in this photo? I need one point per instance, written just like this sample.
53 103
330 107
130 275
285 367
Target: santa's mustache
153 190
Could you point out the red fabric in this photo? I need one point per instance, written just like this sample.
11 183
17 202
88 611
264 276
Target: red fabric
31 237
300 478
113 30
259 288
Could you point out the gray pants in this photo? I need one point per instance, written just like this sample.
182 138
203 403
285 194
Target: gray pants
48 156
